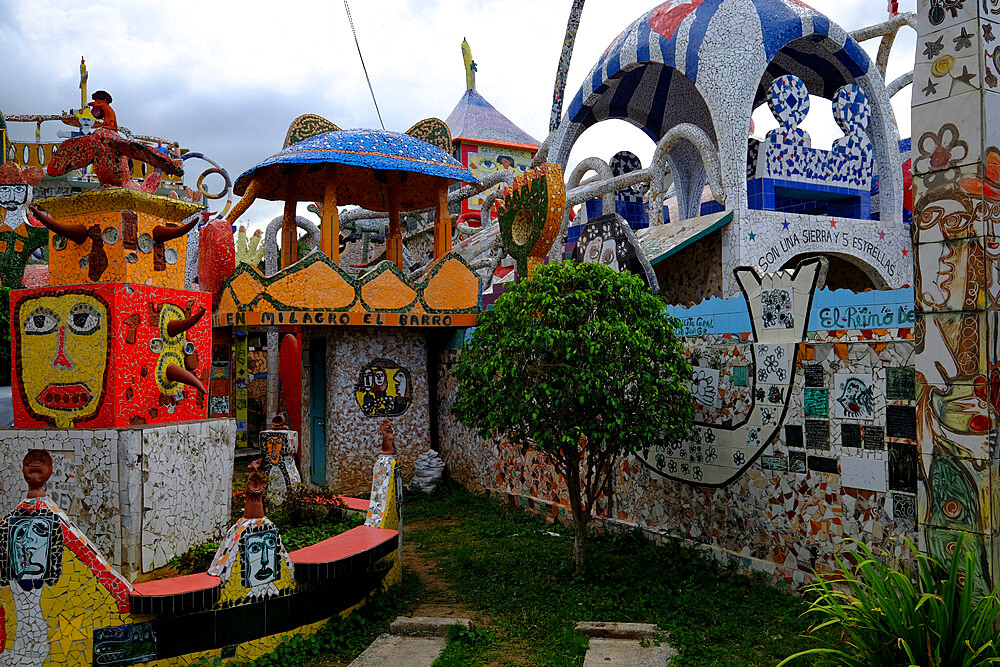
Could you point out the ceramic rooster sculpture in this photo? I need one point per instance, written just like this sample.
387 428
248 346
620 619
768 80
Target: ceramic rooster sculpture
109 152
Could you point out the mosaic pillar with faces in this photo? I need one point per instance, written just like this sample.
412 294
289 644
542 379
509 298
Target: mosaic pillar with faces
956 179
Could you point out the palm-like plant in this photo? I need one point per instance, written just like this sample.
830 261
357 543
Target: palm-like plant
891 617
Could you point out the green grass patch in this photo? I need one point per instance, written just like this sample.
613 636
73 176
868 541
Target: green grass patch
468 646
507 566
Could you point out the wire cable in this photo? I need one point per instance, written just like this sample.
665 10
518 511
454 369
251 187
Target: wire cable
372 91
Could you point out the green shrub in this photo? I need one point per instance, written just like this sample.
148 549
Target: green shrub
890 617
195 559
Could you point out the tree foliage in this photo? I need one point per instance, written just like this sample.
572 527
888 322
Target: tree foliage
582 364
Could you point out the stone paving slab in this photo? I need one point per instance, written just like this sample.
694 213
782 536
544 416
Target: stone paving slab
426 626
627 653
391 650
612 630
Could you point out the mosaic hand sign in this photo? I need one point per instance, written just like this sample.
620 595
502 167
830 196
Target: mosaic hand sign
718 453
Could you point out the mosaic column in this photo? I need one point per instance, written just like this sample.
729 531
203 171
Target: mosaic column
956 180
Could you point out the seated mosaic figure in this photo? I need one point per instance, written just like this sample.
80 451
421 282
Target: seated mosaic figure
45 560
278 447
251 560
786 174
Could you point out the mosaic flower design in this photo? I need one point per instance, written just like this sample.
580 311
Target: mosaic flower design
776 309
941 149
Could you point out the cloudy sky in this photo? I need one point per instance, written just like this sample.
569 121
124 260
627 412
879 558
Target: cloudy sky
226 78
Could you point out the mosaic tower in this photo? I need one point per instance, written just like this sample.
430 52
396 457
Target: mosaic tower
110 367
956 179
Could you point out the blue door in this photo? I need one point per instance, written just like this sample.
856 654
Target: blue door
317 411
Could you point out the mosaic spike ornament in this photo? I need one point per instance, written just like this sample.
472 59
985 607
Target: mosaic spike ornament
529 214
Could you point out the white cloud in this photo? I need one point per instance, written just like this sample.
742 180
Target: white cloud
226 78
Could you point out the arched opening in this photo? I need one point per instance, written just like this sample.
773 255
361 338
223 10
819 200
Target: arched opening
846 272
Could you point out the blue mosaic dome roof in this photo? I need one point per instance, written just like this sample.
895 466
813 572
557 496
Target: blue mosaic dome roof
374 149
683 34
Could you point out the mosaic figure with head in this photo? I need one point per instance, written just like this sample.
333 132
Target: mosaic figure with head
31 536
61 356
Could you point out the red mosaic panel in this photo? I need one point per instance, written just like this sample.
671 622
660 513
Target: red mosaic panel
100 356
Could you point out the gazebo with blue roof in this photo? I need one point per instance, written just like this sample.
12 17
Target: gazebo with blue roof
376 169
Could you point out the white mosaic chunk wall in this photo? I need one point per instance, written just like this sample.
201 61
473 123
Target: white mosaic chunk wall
165 488
397 391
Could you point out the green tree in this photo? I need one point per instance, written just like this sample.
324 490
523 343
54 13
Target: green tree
582 364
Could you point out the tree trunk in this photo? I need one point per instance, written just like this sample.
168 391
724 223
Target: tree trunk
580 514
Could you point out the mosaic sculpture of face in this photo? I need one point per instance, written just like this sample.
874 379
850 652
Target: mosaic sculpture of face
63 355
274 445
261 557
599 251
29 547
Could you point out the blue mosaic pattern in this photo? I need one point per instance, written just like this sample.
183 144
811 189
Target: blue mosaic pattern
852 111
788 175
682 27
377 149
830 310
788 100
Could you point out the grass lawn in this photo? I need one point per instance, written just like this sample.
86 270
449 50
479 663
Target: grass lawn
518 579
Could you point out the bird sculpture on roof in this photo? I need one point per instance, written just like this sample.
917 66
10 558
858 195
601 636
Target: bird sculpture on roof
109 152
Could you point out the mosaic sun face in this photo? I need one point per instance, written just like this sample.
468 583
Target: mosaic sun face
63 356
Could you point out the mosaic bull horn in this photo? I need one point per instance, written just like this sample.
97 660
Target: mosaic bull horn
175 373
164 233
75 233
177 327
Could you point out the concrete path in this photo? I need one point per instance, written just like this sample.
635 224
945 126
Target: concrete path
413 642
402 651
621 645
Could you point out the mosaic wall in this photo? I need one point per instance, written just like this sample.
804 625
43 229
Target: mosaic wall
146 484
61 602
826 434
694 274
372 374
